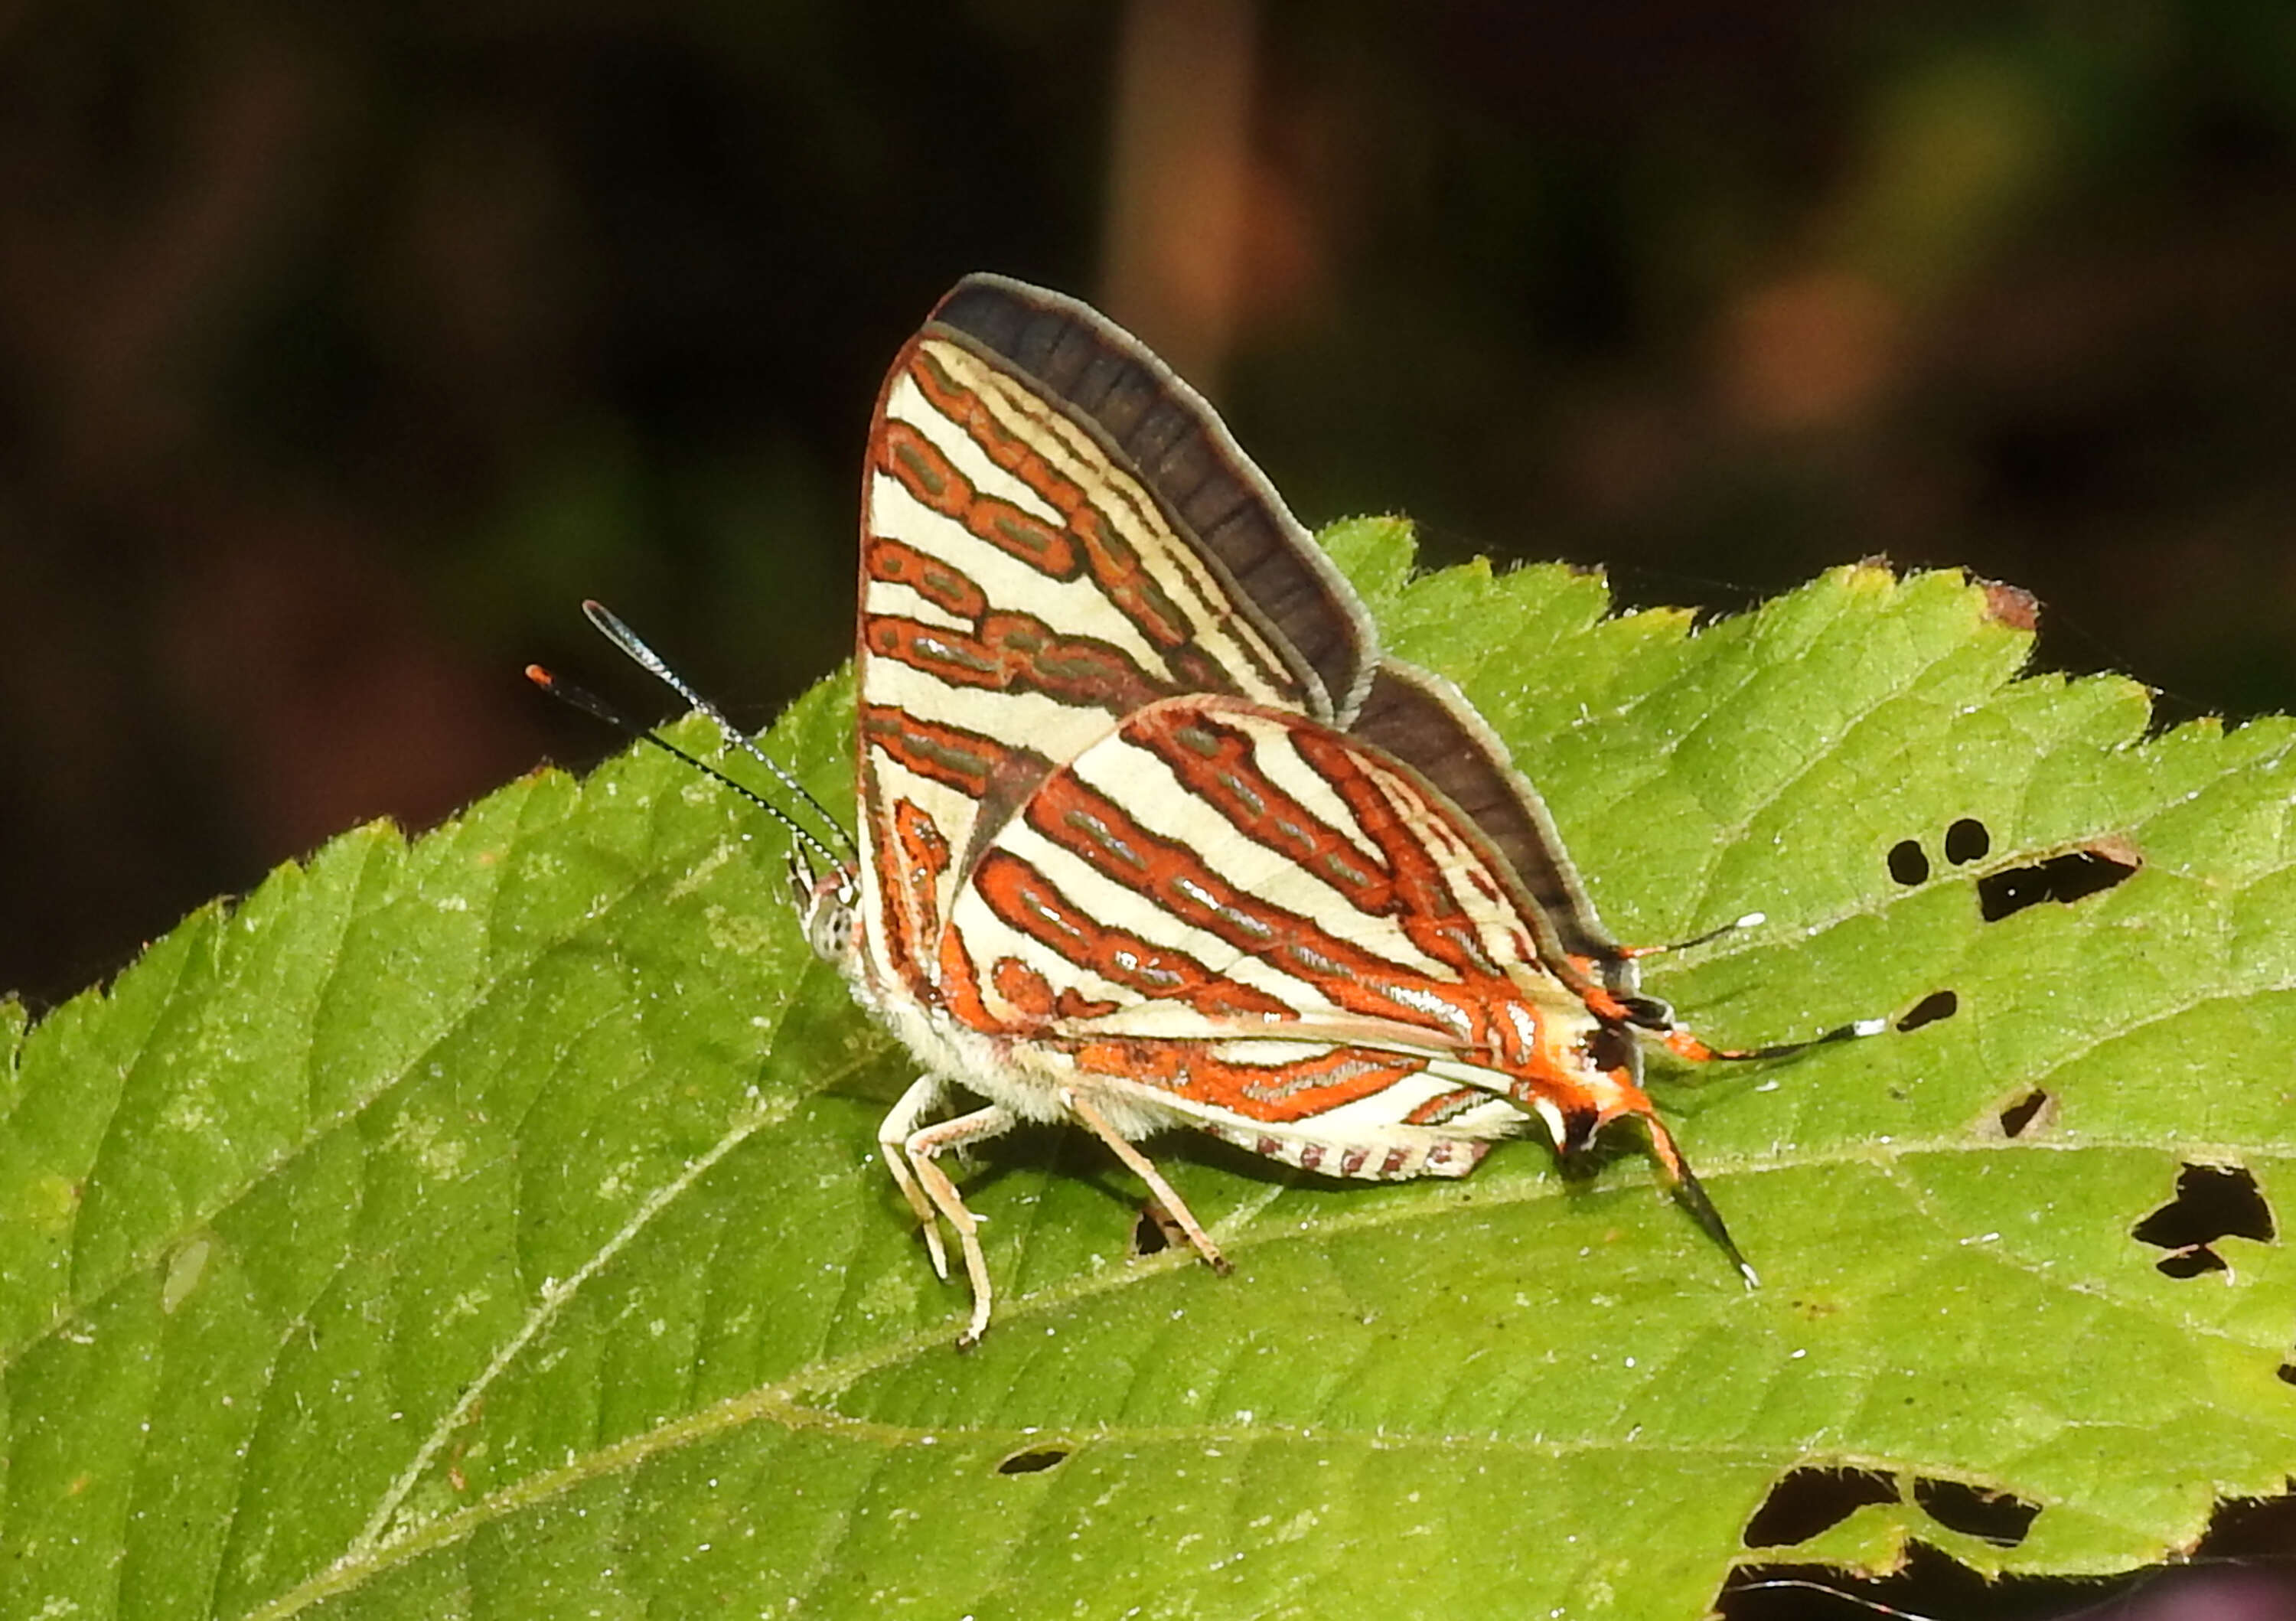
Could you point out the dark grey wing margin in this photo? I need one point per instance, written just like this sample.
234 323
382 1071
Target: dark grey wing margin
1184 455
1422 720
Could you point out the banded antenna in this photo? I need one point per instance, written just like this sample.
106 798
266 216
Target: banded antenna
634 648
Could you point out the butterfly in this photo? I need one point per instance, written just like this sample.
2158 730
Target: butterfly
1151 834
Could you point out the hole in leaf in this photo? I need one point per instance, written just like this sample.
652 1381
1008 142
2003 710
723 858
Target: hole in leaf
1928 1585
2024 1112
1148 1235
1156 1230
2190 1263
2064 878
2288 1372
2247 1543
2000 1517
1907 864
1967 841
2212 1203
1929 1009
1805 1502
1036 1461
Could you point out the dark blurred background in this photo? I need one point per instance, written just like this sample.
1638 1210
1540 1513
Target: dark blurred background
344 348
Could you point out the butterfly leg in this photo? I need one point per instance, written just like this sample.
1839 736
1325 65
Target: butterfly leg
1144 1168
921 1149
922 1097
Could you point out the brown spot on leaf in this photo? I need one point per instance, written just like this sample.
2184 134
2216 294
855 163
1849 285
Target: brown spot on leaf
2010 605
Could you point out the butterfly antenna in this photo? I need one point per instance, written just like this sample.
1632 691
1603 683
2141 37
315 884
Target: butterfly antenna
1890 1612
633 648
1649 1013
590 703
1752 920
1683 1044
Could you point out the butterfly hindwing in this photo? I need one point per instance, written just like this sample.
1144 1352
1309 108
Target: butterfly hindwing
1268 928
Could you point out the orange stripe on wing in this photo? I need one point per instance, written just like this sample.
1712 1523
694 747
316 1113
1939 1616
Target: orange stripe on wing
920 467
1090 533
1289 1091
910 862
953 758
1217 764
1016 653
1430 913
1177 879
1029 991
1446 1105
1029 903
930 578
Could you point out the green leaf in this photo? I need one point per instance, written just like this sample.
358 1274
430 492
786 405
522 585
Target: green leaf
490 1224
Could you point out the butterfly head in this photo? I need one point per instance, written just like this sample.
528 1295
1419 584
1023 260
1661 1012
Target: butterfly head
828 899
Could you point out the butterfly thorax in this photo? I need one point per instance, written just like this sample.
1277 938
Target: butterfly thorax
1026 1080
828 907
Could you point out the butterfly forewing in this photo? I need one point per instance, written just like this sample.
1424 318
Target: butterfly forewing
1157 429
1024 588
